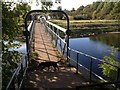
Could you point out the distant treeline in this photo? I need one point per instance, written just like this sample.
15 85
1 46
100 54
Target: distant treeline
97 10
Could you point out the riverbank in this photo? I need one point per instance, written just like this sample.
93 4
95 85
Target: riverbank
83 28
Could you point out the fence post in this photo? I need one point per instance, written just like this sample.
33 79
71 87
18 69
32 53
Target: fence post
77 63
90 70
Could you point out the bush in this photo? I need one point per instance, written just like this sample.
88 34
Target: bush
78 18
108 70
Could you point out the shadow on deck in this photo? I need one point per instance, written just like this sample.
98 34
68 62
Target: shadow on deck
66 77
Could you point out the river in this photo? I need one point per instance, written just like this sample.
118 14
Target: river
97 46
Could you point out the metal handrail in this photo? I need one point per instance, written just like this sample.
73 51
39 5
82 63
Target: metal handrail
11 84
56 26
54 32
61 29
93 57
57 36
50 29
74 51
29 27
88 70
13 76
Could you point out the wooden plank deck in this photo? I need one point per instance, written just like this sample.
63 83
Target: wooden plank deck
63 78
43 45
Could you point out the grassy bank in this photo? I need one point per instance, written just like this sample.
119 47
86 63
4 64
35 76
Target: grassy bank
89 27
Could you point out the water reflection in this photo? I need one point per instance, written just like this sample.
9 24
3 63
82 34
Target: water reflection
111 39
97 46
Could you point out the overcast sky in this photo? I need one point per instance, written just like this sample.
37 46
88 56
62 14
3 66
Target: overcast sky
68 4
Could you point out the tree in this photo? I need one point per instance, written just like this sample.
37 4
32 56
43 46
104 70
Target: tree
21 10
59 15
46 5
115 13
11 29
80 8
73 9
9 23
94 15
107 7
100 6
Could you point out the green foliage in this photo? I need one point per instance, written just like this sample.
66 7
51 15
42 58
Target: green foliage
98 10
9 20
115 13
34 56
21 10
107 7
46 5
10 61
58 14
10 32
108 70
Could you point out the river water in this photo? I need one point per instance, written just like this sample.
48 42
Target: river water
21 49
97 46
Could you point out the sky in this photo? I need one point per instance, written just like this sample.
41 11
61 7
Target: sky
68 4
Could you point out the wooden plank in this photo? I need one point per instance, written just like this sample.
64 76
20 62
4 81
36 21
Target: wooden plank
43 45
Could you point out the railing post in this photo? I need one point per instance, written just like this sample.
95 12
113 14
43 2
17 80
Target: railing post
63 49
56 37
90 70
117 79
27 34
26 66
51 32
118 73
68 32
18 80
22 72
56 41
77 63
69 58
67 47
52 28
61 46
